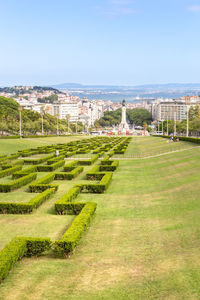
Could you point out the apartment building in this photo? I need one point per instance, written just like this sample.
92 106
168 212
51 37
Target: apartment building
64 109
163 109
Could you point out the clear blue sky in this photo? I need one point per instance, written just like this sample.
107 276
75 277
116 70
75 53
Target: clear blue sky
99 41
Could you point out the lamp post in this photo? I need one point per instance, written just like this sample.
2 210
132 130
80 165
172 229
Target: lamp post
162 127
68 118
175 110
76 127
42 113
20 121
57 125
167 124
158 127
187 132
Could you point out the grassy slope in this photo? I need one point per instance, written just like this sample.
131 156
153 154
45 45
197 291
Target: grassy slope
8 146
143 243
149 146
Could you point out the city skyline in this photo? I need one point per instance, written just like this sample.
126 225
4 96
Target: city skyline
108 42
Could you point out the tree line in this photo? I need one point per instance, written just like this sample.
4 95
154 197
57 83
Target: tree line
137 117
31 121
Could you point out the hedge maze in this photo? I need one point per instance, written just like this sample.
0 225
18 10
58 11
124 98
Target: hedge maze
25 170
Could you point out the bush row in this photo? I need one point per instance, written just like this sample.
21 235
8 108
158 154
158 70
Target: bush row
9 171
70 166
88 162
55 159
25 208
37 161
17 249
97 188
15 184
9 165
43 184
69 176
25 172
72 236
50 168
64 205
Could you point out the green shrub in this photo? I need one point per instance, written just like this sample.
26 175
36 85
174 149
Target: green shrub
97 188
55 159
43 184
10 254
72 236
50 168
36 246
63 204
24 208
9 171
38 160
9 165
15 184
69 176
24 172
70 166
111 167
88 162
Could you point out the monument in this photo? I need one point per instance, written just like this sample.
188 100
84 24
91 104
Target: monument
123 125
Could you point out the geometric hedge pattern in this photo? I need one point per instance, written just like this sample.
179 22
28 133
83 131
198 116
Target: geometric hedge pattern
58 162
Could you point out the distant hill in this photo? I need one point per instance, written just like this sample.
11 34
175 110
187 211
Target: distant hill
167 86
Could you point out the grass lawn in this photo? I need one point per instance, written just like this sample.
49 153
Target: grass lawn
148 146
143 243
8 146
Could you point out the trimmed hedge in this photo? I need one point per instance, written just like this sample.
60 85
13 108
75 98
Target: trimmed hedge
64 205
69 176
55 159
17 249
50 168
43 184
38 160
9 171
72 236
112 166
25 208
24 172
10 254
97 188
15 184
88 162
182 138
9 165
70 166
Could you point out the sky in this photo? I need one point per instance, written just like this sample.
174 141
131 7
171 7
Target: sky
112 42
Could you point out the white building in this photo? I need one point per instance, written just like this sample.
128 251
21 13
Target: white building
163 109
64 109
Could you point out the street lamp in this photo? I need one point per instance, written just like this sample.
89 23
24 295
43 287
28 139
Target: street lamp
42 114
20 121
175 110
167 124
68 118
57 125
187 132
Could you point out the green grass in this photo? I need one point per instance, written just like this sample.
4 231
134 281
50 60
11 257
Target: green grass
8 146
143 243
141 147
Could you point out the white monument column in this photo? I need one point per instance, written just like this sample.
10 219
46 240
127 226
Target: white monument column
123 125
